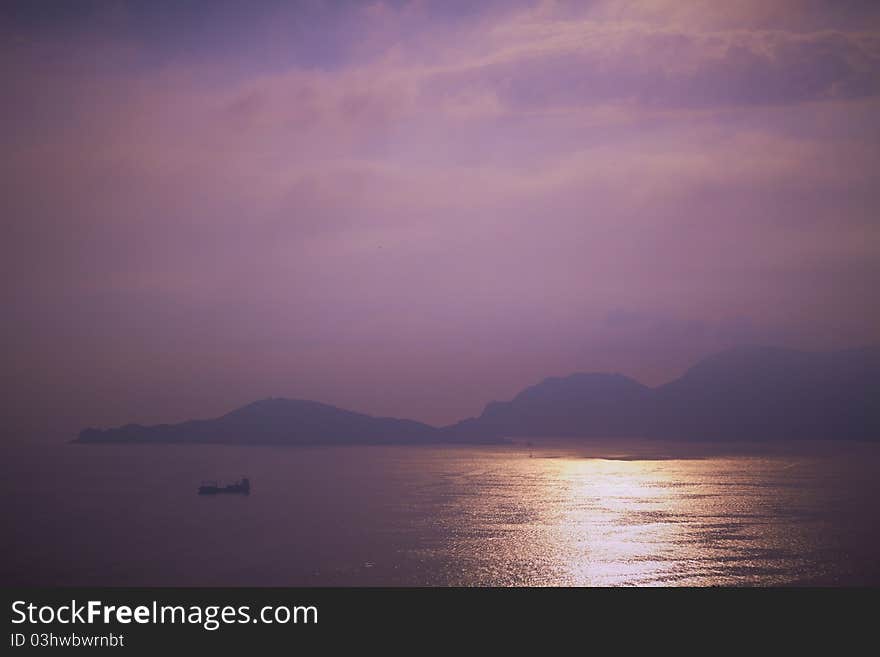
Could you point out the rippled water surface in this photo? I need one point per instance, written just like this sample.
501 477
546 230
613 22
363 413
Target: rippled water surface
594 514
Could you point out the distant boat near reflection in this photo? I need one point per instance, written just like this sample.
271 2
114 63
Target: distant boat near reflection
603 513
240 487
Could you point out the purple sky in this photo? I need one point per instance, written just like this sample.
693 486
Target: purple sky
412 208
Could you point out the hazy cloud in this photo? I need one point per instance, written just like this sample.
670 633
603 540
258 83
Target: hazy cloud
409 208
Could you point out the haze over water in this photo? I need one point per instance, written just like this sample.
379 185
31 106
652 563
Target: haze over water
587 514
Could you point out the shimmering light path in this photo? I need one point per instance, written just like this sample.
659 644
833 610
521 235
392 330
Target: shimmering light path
618 514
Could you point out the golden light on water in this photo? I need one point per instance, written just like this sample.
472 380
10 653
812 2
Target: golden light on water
560 518
584 515
615 525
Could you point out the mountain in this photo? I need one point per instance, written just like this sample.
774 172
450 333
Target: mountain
746 393
767 392
275 421
579 405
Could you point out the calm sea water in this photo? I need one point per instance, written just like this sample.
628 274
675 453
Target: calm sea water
591 514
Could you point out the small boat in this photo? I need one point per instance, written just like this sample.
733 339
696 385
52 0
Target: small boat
241 487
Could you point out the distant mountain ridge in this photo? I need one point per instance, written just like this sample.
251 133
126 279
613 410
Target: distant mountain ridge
579 405
745 393
275 421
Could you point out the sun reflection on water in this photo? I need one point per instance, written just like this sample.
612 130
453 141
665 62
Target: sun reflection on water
554 514
616 525
566 519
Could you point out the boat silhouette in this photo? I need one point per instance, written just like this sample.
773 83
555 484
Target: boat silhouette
240 487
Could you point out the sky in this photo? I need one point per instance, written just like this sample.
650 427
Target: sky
413 208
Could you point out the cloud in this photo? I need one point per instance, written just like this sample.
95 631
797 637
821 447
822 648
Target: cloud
553 64
430 191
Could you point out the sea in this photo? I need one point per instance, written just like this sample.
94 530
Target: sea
543 513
